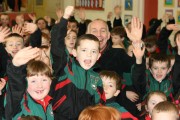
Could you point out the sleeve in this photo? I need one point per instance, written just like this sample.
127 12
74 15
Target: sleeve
3 60
117 22
35 38
176 75
82 29
152 29
109 25
15 89
59 57
163 40
139 78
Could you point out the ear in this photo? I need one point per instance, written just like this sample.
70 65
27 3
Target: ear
99 56
116 93
74 52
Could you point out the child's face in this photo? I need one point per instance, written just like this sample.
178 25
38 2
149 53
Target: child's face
109 86
45 42
20 19
70 40
41 24
4 20
116 39
164 116
159 70
13 45
38 86
72 26
155 99
87 53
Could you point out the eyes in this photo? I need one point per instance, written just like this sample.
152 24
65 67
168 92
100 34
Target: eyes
96 31
162 68
92 51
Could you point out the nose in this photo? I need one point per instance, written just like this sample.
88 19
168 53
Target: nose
89 53
39 84
159 70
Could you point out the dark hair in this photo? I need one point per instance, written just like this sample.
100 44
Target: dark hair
112 75
120 31
159 57
152 21
73 21
89 37
150 41
41 19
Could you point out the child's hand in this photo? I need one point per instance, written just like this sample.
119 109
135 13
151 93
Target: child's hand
109 16
17 29
68 11
136 30
30 28
32 17
3 33
172 27
82 15
138 106
25 55
138 50
48 19
2 83
132 96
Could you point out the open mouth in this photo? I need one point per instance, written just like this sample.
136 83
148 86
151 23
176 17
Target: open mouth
87 62
158 76
39 91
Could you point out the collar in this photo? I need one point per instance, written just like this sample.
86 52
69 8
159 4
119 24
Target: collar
110 100
44 103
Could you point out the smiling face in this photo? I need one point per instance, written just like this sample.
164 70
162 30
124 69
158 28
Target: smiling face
159 70
87 53
155 99
109 86
13 45
38 86
100 29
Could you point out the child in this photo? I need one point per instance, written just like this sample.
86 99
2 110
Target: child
77 73
165 111
4 20
112 85
33 98
20 20
155 78
152 99
99 113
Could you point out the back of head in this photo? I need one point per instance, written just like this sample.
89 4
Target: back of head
167 110
99 113
120 31
113 76
159 57
150 41
152 21
34 67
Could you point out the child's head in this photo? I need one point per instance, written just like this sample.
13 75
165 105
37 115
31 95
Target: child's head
45 40
39 79
70 39
46 31
73 25
41 23
20 19
13 43
4 20
117 10
117 35
111 83
99 113
159 66
165 111
154 98
86 50
150 43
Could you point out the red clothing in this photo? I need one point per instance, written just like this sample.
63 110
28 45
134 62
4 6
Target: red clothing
147 117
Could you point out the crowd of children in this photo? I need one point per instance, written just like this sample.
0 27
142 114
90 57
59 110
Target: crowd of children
64 70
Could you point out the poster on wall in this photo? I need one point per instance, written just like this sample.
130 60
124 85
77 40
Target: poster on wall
128 4
127 19
169 3
178 17
169 11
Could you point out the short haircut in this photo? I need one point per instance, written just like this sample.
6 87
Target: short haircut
150 41
159 57
159 93
89 37
112 75
74 21
14 35
166 107
99 113
97 20
120 31
34 67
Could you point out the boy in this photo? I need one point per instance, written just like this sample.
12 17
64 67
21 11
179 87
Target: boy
112 85
28 87
78 86
165 111
4 20
155 78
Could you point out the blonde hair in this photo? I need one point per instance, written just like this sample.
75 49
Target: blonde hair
166 107
159 93
99 113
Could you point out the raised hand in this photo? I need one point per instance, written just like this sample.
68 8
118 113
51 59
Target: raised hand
3 33
48 19
32 17
138 50
172 27
2 83
68 11
82 15
136 30
25 55
109 16
30 28
17 29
